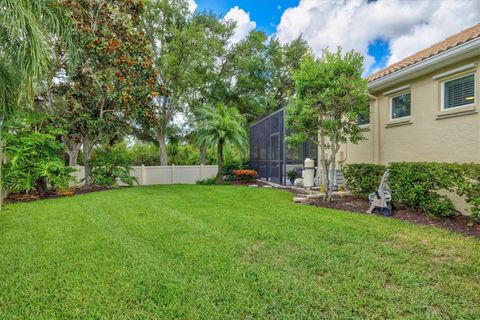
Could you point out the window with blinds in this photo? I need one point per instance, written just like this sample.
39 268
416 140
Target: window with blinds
459 92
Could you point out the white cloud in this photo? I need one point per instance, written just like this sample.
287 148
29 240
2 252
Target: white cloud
192 6
408 26
244 24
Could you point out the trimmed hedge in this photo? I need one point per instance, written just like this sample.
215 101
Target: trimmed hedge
363 178
417 184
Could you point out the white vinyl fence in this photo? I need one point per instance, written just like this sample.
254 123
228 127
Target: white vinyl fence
147 175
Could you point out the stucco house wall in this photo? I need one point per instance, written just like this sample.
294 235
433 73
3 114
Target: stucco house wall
429 134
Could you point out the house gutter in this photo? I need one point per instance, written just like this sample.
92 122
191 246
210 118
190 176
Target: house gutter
470 47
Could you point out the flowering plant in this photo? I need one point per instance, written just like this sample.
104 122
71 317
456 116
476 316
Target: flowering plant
246 175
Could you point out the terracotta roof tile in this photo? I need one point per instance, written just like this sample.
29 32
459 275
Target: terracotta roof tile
444 45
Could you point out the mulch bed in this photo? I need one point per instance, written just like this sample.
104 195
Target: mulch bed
460 224
26 197
246 183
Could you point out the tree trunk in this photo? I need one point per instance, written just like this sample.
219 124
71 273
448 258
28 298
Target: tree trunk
326 180
86 158
220 162
203 154
162 146
330 173
73 150
323 164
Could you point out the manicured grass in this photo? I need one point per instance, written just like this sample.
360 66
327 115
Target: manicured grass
201 252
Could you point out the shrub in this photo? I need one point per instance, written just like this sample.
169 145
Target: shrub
293 174
363 178
416 185
228 170
34 157
110 165
467 184
144 153
207 182
246 175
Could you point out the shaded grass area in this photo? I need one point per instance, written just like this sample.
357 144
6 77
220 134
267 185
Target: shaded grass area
218 252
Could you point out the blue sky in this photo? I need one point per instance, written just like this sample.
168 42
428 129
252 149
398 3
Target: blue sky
384 31
266 13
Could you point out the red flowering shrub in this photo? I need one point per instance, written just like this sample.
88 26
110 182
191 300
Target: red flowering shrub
246 175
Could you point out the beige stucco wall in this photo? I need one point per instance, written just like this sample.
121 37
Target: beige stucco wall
425 137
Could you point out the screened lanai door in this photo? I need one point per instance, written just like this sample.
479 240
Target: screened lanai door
266 147
275 159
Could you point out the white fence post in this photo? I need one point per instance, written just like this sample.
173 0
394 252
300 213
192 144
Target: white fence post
143 176
201 171
172 175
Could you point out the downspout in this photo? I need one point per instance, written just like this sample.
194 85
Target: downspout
376 129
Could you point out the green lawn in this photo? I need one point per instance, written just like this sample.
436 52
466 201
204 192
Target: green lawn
200 252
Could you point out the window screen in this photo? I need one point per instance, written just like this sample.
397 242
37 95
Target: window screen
459 92
275 147
401 106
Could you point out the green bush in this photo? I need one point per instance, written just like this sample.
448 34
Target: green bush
207 182
229 169
144 153
110 165
467 184
293 174
34 157
416 185
363 178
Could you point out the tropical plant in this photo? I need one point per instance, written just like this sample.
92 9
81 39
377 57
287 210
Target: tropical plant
34 157
26 30
111 164
246 175
292 175
219 125
229 168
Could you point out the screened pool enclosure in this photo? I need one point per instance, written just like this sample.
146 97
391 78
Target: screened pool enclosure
269 154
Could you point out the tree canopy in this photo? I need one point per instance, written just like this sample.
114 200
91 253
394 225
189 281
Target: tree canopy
102 72
220 125
330 96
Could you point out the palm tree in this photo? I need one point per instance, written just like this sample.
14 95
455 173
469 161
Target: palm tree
26 29
219 125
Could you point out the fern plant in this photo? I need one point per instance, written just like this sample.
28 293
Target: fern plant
111 165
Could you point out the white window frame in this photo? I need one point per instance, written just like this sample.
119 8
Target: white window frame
391 106
442 92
